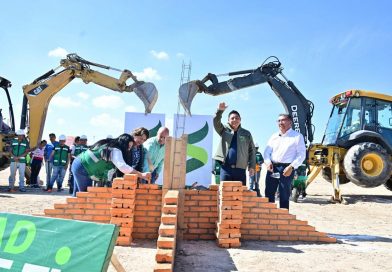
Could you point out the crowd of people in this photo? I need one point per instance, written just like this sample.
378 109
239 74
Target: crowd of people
97 164
137 153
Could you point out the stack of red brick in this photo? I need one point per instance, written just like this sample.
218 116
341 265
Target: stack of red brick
123 206
167 233
230 214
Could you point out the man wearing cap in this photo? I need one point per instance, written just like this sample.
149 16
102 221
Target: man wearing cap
61 157
19 149
254 180
48 150
78 147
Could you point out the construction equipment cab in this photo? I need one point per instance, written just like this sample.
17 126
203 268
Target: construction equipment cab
357 143
37 95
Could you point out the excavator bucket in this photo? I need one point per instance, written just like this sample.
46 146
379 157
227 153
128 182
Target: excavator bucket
186 94
147 92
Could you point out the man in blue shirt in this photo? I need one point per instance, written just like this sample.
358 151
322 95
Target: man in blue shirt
49 162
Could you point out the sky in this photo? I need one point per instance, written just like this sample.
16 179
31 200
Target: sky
325 47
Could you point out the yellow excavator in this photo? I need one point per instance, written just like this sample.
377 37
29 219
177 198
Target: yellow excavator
37 96
357 143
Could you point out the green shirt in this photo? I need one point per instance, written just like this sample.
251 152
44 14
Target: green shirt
154 152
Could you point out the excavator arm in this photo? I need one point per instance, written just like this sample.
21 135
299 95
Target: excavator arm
38 94
292 99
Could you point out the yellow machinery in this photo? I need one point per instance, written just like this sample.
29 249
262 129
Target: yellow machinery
357 143
37 96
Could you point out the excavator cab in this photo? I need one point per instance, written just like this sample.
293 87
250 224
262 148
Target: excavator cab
359 130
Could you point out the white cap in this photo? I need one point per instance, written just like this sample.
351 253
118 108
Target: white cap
256 145
20 132
83 137
62 137
109 136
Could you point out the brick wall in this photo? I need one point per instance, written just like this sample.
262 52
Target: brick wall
148 207
200 214
260 220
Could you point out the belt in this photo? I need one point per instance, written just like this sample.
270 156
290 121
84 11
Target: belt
277 164
229 165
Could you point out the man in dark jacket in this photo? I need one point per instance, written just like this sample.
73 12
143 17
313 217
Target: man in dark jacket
236 150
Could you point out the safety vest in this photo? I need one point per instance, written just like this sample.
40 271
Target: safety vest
97 163
259 161
18 148
79 149
60 157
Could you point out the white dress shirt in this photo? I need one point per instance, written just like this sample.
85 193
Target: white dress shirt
286 148
118 160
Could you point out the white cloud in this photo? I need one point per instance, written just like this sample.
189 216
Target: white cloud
106 121
108 102
148 74
161 55
64 102
58 53
83 95
131 109
180 55
243 95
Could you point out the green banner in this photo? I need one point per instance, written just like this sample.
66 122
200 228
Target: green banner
39 244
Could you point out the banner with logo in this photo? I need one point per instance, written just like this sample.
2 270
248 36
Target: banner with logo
152 122
40 244
199 149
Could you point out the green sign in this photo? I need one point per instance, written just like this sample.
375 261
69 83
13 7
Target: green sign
39 244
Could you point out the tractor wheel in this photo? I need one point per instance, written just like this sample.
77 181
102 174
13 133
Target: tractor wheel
326 173
388 184
367 165
4 162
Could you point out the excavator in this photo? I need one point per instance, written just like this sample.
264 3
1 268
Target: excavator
37 96
361 154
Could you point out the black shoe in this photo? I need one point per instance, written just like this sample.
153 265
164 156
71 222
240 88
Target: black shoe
60 189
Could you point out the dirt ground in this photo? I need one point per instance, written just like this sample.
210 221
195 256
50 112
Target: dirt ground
363 229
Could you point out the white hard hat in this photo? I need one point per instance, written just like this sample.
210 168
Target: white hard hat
256 145
20 132
83 137
62 137
109 136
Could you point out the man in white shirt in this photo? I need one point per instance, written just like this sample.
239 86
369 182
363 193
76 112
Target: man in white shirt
284 153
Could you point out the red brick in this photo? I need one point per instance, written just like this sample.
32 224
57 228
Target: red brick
163 267
166 242
164 256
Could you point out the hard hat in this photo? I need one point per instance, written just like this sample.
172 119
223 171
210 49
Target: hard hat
62 137
20 132
109 136
256 145
83 137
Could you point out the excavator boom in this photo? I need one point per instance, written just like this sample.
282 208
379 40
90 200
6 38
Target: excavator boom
292 99
38 94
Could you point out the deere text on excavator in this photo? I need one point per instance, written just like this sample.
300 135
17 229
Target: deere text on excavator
37 96
357 143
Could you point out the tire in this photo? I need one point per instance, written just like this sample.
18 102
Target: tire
295 194
388 184
4 163
367 165
326 173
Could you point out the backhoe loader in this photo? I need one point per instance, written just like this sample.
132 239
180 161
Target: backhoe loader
357 144
37 96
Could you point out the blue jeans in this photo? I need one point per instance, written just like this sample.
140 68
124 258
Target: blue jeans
48 168
233 174
58 174
284 183
254 183
81 178
13 167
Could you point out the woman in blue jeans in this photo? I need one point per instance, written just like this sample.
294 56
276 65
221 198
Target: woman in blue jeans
100 162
